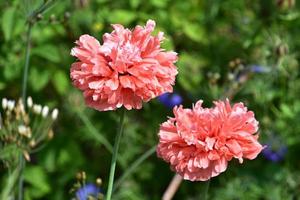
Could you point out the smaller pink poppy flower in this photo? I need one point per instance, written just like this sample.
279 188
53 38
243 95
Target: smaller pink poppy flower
199 142
129 68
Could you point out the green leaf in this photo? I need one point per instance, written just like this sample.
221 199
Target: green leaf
190 70
19 27
11 72
36 177
286 111
290 16
49 52
194 32
38 79
159 3
50 160
60 81
134 3
2 85
64 158
8 23
121 17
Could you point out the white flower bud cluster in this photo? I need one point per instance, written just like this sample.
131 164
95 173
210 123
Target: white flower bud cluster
42 110
26 125
24 130
8 104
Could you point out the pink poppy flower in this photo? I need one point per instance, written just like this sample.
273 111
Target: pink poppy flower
199 142
128 69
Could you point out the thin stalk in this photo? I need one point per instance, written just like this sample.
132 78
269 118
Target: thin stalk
24 89
172 188
134 166
31 20
100 138
27 59
205 189
20 185
115 155
97 136
9 185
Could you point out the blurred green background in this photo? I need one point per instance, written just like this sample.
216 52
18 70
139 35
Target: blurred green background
246 49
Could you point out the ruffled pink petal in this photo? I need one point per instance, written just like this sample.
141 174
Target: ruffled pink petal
127 69
199 142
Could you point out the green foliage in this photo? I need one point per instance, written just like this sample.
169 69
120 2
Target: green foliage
36 177
8 22
209 37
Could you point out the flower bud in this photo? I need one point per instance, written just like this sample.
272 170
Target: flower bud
45 111
52 18
50 134
78 176
4 103
230 76
32 143
285 4
21 106
232 64
22 129
25 131
99 181
39 17
54 114
29 102
10 104
67 15
83 174
26 155
37 109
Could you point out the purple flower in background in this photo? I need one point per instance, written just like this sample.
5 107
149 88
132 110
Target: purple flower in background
259 69
89 190
170 99
275 151
243 75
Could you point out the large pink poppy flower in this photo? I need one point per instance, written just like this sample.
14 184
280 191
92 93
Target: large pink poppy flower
129 68
199 142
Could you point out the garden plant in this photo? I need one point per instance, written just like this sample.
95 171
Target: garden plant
158 99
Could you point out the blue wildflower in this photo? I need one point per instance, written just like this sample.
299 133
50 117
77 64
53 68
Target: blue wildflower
275 151
259 69
243 75
170 99
89 190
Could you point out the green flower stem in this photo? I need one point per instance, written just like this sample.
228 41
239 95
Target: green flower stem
20 185
97 136
24 89
115 155
133 166
27 59
7 190
205 190
31 20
